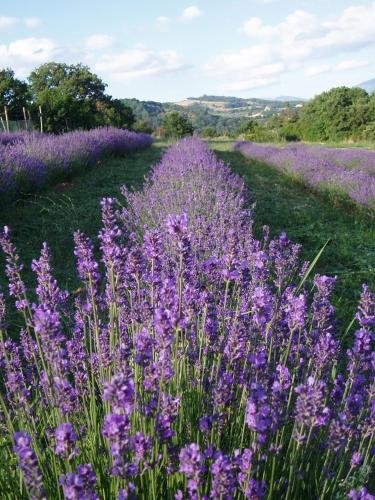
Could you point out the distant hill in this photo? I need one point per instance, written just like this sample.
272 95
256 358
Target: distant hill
223 113
288 98
368 85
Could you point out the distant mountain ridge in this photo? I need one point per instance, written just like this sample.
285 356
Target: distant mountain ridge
289 98
368 85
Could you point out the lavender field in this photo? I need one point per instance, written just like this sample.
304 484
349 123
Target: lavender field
194 361
343 172
29 160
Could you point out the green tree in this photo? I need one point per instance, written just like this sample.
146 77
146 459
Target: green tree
14 94
143 126
114 112
177 125
340 113
209 132
68 95
251 130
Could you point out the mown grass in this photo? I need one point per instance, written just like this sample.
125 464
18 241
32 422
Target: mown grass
311 219
54 215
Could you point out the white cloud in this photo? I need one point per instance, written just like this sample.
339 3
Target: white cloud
191 12
6 21
289 44
23 55
341 66
244 85
33 22
350 64
98 42
163 23
318 69
138 62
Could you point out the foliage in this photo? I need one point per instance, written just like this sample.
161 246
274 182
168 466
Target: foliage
143 126
14 94
72 97
209 132
340 113
251 130
112 112
176 125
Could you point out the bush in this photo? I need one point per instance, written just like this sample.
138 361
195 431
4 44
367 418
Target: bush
176 125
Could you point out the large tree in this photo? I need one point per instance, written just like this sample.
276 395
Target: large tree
14 94
340 113
68 95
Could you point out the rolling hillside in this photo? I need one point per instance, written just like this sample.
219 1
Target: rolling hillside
220 112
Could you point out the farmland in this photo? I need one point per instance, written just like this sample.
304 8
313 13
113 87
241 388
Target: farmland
184 347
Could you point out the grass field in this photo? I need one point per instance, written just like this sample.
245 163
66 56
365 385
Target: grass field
307 218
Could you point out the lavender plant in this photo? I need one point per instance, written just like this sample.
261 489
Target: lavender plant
184 368
350 172
29 160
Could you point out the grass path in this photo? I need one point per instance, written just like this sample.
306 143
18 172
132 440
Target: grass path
311 220
54 215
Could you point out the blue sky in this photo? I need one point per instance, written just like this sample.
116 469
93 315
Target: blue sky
169 50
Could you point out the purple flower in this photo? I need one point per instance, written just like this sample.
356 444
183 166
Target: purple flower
13 270
28 463
66 397
366 309
311 409
356 459
191 464
120 393
87 266
144 344
48 292
142 447
262 306
361 494
47 326
116 429
224 481
295 311
258 412
80 485
65 440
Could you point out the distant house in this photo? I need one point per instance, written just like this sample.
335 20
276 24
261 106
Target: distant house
300 105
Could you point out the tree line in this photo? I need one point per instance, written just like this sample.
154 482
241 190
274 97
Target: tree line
73 97
70 96
339 114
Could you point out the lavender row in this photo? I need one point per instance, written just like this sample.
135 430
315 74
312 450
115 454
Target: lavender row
191 180
350 172
184 370
34 159
12 137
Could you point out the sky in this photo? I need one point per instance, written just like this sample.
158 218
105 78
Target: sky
170 50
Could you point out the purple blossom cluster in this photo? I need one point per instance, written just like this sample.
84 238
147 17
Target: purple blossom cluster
343 171
185 368
30 159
